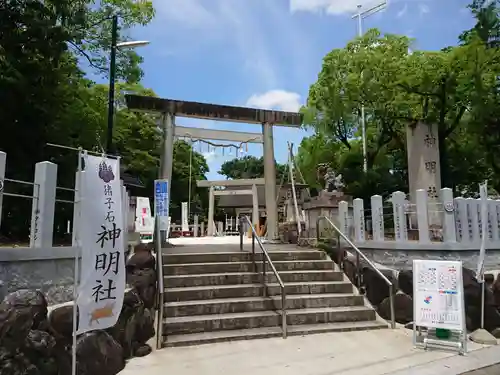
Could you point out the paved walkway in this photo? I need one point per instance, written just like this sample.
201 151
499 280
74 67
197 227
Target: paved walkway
351 353
220 244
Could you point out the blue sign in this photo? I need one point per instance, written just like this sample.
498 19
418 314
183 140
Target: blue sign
161 198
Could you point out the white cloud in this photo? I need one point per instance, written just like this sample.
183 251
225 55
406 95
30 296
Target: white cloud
254 33
402 12
423 9
337 7
330 6
276 99
190 13
210 156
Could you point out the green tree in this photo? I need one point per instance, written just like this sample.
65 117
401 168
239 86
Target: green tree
188 165
46 98
397 89
487 27
249 167
314 151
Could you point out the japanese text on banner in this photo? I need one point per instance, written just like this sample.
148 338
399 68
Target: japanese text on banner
102 283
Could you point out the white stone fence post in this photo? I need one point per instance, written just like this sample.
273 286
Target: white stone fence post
459 220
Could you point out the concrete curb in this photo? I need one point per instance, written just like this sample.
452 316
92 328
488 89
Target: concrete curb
456 364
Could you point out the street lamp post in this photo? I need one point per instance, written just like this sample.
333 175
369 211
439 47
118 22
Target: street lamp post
112 73
360 15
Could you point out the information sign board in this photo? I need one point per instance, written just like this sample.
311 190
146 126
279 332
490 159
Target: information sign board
438 294
162 202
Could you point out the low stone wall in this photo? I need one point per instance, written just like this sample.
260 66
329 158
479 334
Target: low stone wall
36 342
377 291
403 259
49 270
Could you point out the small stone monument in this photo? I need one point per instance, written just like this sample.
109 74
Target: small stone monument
327 202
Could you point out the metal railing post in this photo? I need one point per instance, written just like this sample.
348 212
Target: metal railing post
267 259
161 290
264 275
253 253
358 271
359 255
391 302
241 234
283 313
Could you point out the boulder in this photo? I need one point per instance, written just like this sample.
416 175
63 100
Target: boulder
97 353
141 274
30 300
61 322
376 288
26 346
405 282
141 260
40 351
16 320
338 255
403 308
144 281
350 269
489 279
135 325
496 291
472 298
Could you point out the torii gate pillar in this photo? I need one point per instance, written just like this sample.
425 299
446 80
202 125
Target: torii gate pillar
270 182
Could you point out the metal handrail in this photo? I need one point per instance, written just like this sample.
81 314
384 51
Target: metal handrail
161 289
360 254
265 258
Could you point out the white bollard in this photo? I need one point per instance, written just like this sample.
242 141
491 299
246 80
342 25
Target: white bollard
496 219
42 215
473 220
358 219
492 228
449 230
398 209
422 216
76 210
184 217
461 220
195 226
344 218
377 218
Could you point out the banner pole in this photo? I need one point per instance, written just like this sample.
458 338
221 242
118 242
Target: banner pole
482 303
483 194
76 273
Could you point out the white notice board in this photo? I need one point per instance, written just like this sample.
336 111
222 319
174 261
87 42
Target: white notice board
438 294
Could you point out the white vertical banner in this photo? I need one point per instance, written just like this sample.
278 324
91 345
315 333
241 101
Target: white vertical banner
483 196
102 283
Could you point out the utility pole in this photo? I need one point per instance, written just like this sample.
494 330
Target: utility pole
360 15
112 74
111 89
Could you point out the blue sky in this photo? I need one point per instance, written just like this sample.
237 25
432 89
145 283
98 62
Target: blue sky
266 53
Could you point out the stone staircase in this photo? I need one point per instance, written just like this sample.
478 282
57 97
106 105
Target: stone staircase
211 297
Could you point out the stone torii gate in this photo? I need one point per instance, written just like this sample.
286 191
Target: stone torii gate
252 190
169 109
